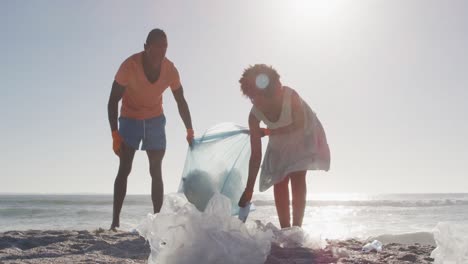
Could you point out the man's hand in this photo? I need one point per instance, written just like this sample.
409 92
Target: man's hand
245 198
190 136
116 142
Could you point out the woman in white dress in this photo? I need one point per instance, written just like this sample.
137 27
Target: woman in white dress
297 142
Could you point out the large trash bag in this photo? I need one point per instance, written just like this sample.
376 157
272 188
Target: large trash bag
217 162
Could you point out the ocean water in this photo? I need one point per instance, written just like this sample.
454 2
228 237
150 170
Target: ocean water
341 216
407 217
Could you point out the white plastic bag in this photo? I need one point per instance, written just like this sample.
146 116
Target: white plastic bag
452 243
181 234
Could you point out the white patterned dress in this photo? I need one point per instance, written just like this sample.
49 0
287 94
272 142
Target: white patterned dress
303 149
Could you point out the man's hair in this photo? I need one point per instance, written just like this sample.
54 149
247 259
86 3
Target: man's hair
249 77
154 35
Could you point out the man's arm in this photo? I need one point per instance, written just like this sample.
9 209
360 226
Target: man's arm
183 107
113 104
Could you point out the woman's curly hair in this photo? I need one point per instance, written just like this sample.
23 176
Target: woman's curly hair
248 82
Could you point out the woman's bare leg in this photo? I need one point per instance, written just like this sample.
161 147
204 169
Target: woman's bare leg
281 191
299 193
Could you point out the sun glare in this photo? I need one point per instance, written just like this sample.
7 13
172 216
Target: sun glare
318 11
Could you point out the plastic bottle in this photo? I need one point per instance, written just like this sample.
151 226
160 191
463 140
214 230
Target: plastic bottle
375 245
244 212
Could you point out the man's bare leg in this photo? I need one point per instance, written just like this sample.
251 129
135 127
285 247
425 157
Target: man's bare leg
155 158
120 185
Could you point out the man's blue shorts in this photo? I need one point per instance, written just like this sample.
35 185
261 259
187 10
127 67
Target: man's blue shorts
151 131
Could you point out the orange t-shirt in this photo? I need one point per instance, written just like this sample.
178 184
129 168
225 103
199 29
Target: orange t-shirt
142 99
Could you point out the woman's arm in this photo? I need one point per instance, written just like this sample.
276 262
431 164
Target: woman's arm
255 159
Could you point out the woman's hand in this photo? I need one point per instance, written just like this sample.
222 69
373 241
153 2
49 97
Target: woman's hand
245 198
265 132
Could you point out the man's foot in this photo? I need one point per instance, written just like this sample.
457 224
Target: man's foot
114 227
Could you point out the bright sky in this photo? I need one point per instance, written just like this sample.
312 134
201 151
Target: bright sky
388 79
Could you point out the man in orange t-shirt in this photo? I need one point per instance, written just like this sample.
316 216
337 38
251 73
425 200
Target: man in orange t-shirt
140 83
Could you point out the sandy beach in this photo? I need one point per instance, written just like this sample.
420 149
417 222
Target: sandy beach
102 246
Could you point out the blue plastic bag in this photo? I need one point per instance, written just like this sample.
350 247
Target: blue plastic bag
217 162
